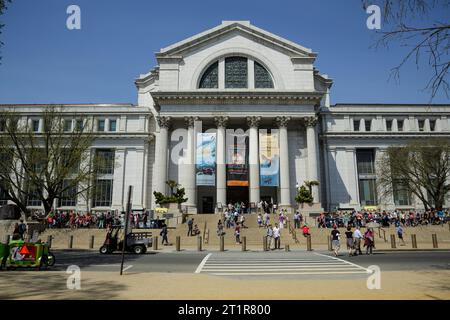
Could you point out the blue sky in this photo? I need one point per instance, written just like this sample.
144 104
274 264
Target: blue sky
44 62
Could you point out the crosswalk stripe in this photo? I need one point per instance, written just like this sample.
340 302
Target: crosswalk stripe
317 264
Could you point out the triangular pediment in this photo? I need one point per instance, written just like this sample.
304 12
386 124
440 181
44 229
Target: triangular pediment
227 27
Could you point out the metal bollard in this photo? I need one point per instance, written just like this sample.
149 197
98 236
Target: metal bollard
264 243
7 239
155 243
91 242
70 244
222 243
244 243
330 247
286 248
414 241
178 243
435 242
308 243
393 246
49 241
199 243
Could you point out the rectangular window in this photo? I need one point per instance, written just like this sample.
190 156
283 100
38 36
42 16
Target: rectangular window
236 72
112 125
33 199
367 192
2 125
421 125
35 125
365 159
3 198
400 125
355 125
105 159
432 125
79 125
368 124
101 125
402 196
69 198
389 125
67 125
103 193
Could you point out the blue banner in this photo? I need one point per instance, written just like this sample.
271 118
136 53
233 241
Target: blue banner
269 159
206 159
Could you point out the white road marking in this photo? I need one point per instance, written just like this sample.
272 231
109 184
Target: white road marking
200 266
128 267
350 263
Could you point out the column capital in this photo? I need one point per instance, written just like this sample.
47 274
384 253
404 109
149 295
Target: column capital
221 121
190 121
164 121
253 122
282 121
311 121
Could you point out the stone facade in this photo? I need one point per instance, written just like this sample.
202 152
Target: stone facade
317 141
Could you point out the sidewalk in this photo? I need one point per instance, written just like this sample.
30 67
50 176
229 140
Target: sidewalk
102 285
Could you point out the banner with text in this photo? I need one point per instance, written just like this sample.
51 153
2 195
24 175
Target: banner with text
269 159
237 162
206 159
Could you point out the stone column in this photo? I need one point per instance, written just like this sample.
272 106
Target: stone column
285 197
221 170
161 154
313 154
254 191
190 176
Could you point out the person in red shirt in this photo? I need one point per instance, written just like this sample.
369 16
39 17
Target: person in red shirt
305 231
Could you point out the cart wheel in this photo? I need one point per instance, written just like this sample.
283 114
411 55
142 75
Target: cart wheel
138 249
104 250
51 259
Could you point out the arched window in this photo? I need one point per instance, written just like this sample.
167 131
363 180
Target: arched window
236 72
236 75
210 78
262 77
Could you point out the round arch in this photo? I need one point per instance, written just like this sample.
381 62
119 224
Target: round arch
243 52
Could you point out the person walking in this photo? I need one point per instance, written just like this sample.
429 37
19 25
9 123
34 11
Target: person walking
220 228
163 233
269 236
277 236
335 237
349 236
400 233
357 236
190 225
296 220
369 241
259 220
22 229
237 233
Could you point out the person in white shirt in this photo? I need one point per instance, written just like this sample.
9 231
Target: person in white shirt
276 236
357 237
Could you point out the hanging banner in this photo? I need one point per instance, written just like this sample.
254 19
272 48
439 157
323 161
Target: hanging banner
269 159
237 162
206 159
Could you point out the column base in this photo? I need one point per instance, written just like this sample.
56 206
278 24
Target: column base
190 209
310 212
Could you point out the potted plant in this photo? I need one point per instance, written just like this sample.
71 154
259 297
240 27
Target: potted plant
304 196
171 202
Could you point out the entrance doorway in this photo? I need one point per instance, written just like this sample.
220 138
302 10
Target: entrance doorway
237 194
207 205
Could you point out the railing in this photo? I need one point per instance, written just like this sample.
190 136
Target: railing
293 233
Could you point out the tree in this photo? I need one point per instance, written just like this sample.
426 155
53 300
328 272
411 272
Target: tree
421 168
3 8
304 195
50 163
310 184
410 24
176 196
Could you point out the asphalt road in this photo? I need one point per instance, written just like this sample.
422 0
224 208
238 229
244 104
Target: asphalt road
257 264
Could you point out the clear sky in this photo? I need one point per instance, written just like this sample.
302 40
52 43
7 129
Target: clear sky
44 62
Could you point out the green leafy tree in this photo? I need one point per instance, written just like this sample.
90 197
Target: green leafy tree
304 195
176 194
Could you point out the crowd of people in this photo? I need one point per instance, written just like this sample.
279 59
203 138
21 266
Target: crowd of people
383 218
